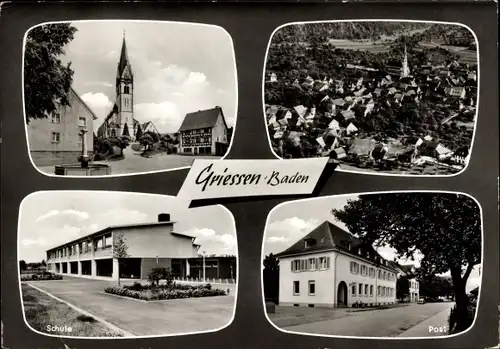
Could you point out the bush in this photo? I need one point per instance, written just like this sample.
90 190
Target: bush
135 287
162 292
42 276
160 273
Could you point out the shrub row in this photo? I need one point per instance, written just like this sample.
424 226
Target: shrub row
164 293
42 276
139 287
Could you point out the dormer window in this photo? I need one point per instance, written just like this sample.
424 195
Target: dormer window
309 243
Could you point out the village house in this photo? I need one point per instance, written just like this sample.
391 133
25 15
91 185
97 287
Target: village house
329 267
414 286
204 132
58 138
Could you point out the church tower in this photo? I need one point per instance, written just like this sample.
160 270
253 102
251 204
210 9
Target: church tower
405 70
125 92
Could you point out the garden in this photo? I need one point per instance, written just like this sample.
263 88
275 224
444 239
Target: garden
155 289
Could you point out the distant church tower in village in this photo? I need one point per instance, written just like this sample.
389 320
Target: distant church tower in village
405 70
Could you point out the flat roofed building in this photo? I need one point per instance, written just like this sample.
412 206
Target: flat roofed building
330 267
149 245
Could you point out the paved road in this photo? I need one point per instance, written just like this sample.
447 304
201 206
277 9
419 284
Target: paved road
177 316
376 323
135 163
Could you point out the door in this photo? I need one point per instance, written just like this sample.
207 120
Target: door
342 294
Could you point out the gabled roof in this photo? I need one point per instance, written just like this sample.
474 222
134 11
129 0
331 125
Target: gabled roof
328 237
83 103
201 119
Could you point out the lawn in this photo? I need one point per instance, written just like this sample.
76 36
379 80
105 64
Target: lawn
42 311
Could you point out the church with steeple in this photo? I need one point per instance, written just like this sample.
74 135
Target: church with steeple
120 120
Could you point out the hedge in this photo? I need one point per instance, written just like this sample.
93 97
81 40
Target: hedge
42 276
149 293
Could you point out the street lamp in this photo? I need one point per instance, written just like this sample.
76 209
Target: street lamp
203 254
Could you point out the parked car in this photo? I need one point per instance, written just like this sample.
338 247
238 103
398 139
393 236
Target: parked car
421 300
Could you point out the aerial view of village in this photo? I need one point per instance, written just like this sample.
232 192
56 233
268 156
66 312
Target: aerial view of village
387 97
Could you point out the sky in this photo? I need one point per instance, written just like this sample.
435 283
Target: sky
178 68
48 219
291 222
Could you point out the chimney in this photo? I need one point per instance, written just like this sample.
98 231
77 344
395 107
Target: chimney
164 217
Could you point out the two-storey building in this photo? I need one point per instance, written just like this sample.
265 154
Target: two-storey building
58 139
148 245
330 267
204 132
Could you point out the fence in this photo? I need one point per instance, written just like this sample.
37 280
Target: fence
207 280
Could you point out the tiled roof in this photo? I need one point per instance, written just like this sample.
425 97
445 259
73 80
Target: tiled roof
201 119
326 237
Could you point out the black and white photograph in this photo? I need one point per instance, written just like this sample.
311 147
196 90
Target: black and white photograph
401 265
96 264
127 97
380 97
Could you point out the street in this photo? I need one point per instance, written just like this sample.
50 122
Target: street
405 321
134 163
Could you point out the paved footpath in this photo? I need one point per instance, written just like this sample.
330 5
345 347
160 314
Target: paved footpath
376 323
435 326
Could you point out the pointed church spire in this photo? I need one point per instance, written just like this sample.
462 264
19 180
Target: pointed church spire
405 71
124 62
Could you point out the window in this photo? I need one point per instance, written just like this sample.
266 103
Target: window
296 265
383 275
372 273
56 137
354 268
82 122
55 119
366 290
379 290
324 263
108 241
360 289
353 289
312 288
303 265
127 89
312 263
296 288
363 270
371 290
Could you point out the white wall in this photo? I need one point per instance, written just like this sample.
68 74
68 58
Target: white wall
328 281
156 240
323 282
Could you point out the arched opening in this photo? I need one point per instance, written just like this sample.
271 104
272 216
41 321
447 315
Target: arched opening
127 89
342 295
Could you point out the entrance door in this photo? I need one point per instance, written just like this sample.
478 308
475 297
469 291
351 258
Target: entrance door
342 295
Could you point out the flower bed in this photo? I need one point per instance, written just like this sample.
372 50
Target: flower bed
41 276
174 291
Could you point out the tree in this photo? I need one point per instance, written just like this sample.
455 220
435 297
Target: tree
402 287
22 265
138 133
120 251
125 131
271 275
146 141
445 228
123 142
435 286
47 80
43 263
